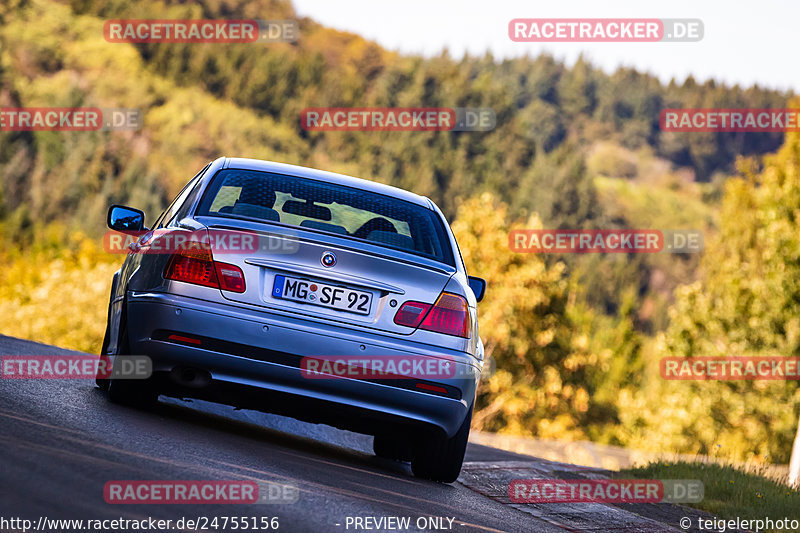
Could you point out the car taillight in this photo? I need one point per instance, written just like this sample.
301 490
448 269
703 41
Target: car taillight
411 314
197 266
231 277
193 266
449 315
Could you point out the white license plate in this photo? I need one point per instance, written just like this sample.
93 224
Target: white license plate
322 294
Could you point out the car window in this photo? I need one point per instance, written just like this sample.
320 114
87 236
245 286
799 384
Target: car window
169 214
186 202
319 206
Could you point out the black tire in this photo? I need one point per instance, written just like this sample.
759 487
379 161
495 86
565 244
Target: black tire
440 458
100 381
131 392
392 447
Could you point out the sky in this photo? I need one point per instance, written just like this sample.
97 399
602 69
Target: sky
745 42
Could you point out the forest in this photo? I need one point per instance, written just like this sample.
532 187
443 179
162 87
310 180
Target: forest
575 340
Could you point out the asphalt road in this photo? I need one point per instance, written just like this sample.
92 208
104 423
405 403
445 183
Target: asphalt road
62 441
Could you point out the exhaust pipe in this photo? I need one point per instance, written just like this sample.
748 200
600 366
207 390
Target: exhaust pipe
187 376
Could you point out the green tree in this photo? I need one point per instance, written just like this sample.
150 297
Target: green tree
747 303
546 374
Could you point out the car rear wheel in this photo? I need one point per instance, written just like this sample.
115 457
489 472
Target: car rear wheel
133 393
102 382
440 458
130 392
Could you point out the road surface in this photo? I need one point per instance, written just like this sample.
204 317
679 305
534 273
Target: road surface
62 441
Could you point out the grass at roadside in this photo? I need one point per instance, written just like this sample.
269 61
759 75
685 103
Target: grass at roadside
730 491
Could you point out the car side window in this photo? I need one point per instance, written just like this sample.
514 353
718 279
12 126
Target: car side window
168 215
185 204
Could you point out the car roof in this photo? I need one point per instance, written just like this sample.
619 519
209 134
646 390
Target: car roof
242 163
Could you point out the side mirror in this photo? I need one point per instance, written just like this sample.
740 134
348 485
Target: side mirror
125 219
478 286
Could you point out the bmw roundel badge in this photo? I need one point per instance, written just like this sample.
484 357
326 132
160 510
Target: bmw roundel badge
328 259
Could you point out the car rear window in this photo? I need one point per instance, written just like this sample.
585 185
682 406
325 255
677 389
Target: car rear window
319 206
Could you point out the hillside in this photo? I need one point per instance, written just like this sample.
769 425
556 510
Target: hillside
202 100
574 147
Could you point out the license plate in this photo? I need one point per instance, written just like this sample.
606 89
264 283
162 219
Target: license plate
322 294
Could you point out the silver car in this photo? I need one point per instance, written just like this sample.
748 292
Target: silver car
323 297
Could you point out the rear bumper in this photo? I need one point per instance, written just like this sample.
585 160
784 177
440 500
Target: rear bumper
269 377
